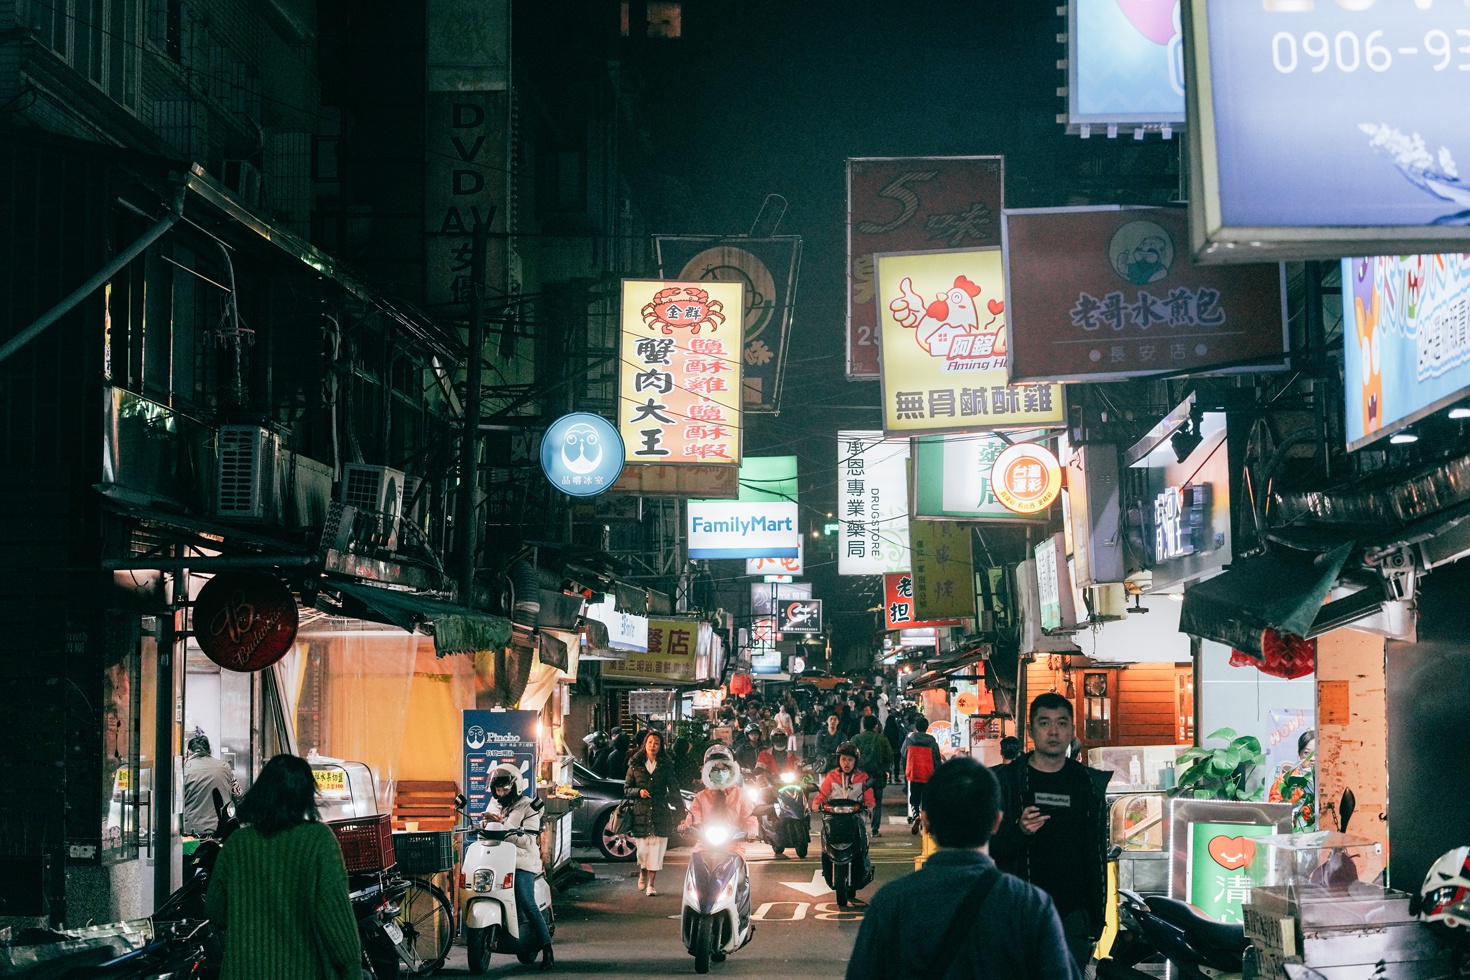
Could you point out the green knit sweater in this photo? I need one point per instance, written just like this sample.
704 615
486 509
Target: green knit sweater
282 901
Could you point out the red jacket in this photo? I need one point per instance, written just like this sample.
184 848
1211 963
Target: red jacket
838 785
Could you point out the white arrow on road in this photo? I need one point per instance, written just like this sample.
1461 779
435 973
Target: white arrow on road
815 888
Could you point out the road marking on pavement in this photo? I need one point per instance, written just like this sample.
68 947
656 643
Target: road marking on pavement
829 912
815 888
798 912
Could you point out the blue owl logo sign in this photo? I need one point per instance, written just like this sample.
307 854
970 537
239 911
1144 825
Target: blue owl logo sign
582 454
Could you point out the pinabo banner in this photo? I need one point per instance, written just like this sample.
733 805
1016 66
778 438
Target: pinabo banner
945 347
679 383
767 268
1102 293
910 204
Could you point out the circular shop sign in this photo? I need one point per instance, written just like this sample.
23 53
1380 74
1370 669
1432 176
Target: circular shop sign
966 703
245 621
582 454
1026 478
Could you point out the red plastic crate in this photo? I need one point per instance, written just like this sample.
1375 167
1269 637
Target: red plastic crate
367 842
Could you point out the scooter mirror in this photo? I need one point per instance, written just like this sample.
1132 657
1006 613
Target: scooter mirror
459 801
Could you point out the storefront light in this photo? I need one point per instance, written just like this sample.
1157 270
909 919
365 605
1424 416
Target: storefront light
1462 412
1403 438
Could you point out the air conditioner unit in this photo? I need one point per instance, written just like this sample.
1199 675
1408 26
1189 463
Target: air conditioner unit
245 479
242 177
378 490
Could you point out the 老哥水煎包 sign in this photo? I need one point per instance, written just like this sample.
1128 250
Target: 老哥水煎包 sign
738 529
911 204
945 343
581 454
1406 350
1326 130
679 383
1099 293
1125 64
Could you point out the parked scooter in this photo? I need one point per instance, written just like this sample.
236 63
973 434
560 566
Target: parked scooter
1198 948
716 909
845 864
375 899
493 923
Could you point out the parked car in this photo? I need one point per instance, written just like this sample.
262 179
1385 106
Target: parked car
600 797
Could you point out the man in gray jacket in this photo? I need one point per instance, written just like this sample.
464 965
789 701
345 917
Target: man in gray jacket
203 774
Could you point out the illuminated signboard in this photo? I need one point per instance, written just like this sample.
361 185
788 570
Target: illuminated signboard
1026 478
734 529
1406 351
799 616
951 478
1327 128
943 320
679 382
1125 63
872 494
1180 522
581 454
898 605
776 566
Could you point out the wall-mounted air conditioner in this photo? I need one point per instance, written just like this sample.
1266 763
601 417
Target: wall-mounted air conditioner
378 490
245 477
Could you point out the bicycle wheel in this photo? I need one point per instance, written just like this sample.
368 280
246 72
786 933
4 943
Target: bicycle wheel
427 919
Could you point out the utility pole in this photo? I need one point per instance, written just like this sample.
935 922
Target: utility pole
469 449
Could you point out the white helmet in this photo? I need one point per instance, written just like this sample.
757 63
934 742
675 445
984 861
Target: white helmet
503 773
1444 898
719 750
721 773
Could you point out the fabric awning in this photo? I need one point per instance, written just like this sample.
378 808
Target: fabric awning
940 671
1279 592
457 629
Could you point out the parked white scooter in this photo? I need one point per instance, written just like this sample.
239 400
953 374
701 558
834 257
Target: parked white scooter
487 898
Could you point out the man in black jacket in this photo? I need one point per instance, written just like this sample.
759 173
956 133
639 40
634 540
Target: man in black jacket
1054 833
940 921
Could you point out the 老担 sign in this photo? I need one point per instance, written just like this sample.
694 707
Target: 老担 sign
735 529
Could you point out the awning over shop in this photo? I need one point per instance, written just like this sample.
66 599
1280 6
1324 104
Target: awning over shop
1278 591
940 672
599 647
457 629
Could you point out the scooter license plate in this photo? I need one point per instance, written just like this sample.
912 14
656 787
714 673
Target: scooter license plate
394 931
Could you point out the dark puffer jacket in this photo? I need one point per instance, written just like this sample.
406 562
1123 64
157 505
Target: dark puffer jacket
652 817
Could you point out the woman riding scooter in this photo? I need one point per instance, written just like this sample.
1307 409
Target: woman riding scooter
512 809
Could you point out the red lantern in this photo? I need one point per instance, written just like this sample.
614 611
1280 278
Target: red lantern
245 621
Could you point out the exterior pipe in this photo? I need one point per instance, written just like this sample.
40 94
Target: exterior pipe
176 211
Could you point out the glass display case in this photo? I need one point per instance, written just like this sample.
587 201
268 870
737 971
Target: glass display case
345 789
1137 768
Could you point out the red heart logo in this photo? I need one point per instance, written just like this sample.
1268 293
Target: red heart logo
1232 853
996 306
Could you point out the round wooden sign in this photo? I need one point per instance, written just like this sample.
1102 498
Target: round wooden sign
245 621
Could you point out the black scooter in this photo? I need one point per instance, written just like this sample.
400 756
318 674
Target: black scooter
1191 942
845 864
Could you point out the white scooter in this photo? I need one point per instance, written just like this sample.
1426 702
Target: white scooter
716 911
487 898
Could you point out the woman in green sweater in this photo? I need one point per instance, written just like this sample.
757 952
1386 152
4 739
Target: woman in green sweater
279 889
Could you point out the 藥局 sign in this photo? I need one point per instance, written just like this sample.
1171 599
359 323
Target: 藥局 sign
679 384
736 529
951 478
910 204
492 738
1319 127
943 320
1125 62
581 454
1406 340
872 494
768 268
1100 293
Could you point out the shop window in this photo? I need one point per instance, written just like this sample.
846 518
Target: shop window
121 730
665 19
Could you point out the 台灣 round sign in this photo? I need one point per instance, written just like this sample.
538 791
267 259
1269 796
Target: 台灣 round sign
582 454
245 621
1026 478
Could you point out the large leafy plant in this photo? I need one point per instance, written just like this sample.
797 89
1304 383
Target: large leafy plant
1225 773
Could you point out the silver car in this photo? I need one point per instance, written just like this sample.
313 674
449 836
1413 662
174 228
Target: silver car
600 797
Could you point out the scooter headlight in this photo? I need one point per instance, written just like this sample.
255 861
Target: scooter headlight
787 778
484 880
727 893
753 793
717 834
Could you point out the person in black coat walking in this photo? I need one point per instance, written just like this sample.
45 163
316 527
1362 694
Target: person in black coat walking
652 786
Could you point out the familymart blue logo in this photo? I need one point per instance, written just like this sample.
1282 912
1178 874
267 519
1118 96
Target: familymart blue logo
582 454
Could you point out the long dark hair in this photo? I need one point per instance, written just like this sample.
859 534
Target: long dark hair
283 796
642 754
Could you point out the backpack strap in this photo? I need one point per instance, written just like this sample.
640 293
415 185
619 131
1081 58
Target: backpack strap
963 920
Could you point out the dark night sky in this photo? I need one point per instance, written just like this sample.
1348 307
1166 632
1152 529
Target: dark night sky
761 97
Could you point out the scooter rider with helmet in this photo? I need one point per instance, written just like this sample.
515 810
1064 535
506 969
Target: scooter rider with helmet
847 781
511 809
723 798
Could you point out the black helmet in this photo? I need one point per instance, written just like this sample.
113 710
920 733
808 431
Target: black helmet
847 748
502 780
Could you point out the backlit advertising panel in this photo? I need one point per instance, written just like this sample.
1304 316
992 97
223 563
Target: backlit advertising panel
951 478
872 497
898 606
776 566
1101 293
1406 340
735 529
679 378
943 320
1327 129
911 204
1125 63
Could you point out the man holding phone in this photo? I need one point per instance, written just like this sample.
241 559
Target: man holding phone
1054 833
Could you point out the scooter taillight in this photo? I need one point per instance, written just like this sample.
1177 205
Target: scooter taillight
510 880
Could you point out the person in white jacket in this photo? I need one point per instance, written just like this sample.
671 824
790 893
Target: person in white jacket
511 809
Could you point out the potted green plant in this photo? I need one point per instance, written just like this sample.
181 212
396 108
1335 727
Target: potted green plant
1224 773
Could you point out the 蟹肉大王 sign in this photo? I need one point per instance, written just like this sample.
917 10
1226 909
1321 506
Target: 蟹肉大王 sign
1026 478
679 383
945 343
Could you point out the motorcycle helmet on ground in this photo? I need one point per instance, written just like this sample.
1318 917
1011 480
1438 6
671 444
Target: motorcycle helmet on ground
1444 898
721 773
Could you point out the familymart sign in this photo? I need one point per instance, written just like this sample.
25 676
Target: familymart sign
740 529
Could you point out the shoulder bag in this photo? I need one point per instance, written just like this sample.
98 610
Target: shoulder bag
963 920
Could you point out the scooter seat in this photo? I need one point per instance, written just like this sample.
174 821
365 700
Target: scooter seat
1220 942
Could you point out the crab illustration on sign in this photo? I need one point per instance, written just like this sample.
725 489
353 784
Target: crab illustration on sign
685 307
955 324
